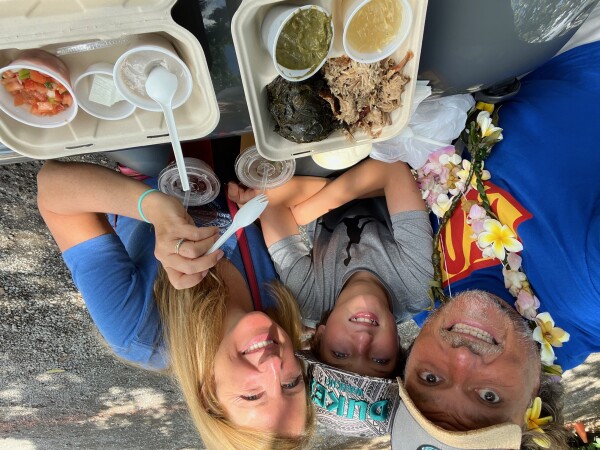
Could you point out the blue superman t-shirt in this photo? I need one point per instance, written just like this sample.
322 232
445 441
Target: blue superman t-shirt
115 274
545 186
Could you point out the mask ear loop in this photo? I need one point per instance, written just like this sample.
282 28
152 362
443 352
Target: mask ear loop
444 258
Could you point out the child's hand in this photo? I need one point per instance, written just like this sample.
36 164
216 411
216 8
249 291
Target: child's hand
240 194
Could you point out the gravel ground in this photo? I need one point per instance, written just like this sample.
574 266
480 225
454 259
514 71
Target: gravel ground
61 389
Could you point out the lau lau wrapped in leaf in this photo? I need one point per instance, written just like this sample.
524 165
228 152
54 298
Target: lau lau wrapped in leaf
300 113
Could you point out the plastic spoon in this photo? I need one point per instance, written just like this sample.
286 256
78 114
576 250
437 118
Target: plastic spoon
160 87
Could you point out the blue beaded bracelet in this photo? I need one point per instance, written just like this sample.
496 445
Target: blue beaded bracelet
140 203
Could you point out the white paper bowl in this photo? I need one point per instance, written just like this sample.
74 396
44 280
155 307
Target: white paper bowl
132 69
82 86
47 64
272 25
351 7
342 158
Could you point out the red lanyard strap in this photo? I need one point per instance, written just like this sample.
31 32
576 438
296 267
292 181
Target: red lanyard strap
246 259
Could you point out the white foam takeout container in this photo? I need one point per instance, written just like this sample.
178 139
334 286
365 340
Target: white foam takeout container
257 71
53 25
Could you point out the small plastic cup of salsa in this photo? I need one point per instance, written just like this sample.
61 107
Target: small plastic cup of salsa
36 90
299 39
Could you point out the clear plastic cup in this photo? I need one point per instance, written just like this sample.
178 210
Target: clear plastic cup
204 184
257 172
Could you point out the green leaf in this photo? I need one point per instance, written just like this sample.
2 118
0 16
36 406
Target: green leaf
493 138
495 118
435 283
554 369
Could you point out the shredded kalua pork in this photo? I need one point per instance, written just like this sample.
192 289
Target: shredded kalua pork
364 95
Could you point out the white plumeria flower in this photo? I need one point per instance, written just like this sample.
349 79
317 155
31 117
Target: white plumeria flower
441 206
499 237
548 336
513 281
485 124
459 187
455 159
464 173
488 252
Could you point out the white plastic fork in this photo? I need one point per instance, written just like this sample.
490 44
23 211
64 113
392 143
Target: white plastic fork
244 217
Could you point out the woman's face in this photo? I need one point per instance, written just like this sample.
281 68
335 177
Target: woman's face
258 379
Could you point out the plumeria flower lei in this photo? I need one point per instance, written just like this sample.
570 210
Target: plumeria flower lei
444 180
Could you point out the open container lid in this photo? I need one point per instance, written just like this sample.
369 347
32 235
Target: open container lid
52 25
257 71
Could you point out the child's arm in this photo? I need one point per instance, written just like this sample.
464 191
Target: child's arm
277 221
369 178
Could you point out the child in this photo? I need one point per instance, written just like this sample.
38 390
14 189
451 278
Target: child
370 263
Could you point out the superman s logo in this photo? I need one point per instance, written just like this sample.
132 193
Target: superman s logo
460 251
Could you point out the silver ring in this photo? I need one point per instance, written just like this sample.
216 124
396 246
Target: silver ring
179 242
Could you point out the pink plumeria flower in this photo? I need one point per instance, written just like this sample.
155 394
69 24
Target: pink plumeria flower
476 217
476 213
514 261
434 165
426 184
527 304
499 237
443 175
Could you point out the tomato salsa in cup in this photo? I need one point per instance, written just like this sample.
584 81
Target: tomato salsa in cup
44 95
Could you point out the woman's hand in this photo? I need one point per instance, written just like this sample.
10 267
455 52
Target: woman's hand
185 263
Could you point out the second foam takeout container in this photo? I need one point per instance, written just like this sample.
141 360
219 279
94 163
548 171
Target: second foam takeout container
57 26
257 71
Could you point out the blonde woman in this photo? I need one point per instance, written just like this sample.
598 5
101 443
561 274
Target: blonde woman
230 347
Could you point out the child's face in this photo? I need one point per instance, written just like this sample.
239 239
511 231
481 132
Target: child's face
360 336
